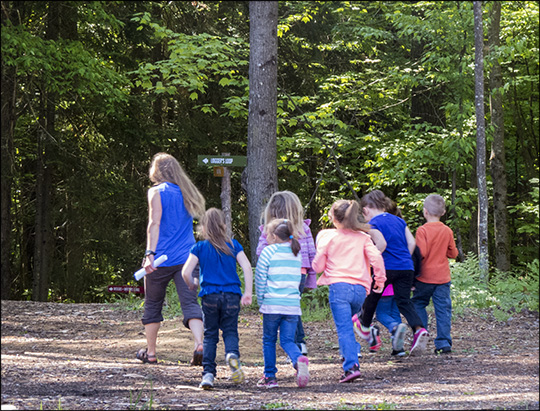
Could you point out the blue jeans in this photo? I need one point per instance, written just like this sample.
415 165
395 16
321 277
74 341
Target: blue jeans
220 312
387 312
286 324
440 294
345 300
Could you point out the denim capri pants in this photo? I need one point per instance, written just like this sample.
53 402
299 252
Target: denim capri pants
155 288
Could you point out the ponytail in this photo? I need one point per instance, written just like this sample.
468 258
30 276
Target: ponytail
295 246
283 229
347 212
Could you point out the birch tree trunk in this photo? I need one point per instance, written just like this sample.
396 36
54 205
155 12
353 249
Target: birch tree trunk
483 256
262 123
498 155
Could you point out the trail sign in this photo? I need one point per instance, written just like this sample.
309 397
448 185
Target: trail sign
126 289
224 161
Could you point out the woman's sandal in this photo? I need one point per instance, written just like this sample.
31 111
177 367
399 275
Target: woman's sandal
197 356
145 358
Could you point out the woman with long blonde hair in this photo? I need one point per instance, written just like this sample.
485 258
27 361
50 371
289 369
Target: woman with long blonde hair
173 202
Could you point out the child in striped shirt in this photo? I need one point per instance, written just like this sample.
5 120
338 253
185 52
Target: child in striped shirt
277 278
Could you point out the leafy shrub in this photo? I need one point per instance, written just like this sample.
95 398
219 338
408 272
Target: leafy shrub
314 304
516 289
468 290
504 293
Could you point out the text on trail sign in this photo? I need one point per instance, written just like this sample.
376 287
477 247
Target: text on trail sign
224 161
126 289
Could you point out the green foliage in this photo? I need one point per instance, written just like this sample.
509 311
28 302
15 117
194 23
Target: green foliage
516 290
276 405
528 223
384 89
315 305
504 293
135 403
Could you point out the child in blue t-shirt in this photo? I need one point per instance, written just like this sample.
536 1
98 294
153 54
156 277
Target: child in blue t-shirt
397 255
220 292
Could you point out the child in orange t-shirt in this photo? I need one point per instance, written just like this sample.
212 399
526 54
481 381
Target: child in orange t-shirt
436 243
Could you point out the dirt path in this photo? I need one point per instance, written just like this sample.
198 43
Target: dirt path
81 356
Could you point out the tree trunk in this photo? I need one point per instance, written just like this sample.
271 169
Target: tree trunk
7 154
262 124
498 156
44 237
483 256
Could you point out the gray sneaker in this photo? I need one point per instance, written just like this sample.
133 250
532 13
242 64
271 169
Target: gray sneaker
303 348
207 382
398 337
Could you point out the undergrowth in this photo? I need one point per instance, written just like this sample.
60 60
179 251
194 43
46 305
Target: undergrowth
503 293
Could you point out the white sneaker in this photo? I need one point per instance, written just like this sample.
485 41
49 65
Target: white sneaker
398 337
302 373
420 341
207 382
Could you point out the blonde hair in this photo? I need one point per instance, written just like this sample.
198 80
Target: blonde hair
282 229
435 205
347 212
285 204
214 229
165 167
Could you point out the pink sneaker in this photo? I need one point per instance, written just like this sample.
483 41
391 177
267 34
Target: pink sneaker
359 329
302 373
420 341
351 374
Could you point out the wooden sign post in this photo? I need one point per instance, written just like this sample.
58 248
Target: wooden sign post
221 166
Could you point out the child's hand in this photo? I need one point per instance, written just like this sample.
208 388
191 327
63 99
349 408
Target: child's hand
246 299
193 284
378 288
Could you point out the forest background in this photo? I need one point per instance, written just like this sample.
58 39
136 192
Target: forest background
370 95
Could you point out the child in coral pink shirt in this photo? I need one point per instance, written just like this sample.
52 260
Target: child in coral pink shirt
344 256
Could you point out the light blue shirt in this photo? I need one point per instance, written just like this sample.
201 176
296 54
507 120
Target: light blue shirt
277 278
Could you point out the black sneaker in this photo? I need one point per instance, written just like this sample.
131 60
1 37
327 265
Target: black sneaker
443 350
374 339
398 353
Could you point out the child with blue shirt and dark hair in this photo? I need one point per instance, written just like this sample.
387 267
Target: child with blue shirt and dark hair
398 261
220 293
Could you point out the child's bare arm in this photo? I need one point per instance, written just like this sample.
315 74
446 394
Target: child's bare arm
187 270
411 242
378 239
248 278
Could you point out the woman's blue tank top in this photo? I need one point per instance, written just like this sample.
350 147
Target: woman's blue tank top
176 226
